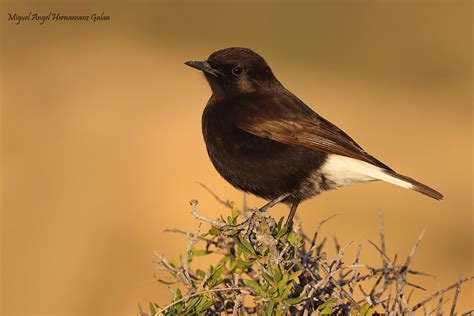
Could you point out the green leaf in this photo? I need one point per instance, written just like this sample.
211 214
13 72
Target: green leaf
177 295
277 228
328 303
268 278
192 303
326 311
231 220
282 283
292 238
242 265
296 300
280 223
214 231
244 246
281 232
264 251
152 309
218 271
224 260
295 275
216 283
204 304
277 275
254 285
215 274
366 310
235 211
286 291
279 310
200 252
249 246
273 290
201 273
270 307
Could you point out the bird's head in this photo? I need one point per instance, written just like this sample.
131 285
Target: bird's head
235 70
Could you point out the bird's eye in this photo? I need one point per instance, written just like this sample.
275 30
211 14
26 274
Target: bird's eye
237 70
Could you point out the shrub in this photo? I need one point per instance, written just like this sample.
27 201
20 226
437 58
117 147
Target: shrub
266 269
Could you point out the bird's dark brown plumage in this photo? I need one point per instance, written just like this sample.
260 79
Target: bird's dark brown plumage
264 140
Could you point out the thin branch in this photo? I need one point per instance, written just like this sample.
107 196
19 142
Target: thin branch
200 217
331 272
382 238
354 270
179 231
385 259
456 294
185 259
226 203
441 292
413 250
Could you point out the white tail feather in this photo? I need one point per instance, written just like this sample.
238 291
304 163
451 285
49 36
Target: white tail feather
344 171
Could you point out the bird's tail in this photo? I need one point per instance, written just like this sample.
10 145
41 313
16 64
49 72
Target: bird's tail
409 183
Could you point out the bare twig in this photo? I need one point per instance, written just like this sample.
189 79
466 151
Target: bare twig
200 217
185 259
179 231
456 294
413 250
226 203
315 236
354 270
333 270
385 259
382 239
140 311
441 292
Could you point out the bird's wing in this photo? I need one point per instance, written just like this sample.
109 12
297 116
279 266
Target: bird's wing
286 119
296 124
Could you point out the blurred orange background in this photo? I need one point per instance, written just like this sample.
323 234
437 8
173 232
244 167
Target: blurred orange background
102 145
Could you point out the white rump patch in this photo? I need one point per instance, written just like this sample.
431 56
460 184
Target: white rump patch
343 171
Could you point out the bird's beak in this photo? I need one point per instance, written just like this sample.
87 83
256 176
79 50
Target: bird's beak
203 66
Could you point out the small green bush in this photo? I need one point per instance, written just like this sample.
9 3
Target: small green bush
266 269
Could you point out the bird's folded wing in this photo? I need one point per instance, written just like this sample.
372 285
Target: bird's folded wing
317 134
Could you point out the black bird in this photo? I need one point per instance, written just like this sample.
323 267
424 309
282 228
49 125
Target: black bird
264 140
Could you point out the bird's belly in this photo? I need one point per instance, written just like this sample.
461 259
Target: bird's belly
263 167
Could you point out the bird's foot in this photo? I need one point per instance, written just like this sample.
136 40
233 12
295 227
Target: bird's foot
240 226
250 222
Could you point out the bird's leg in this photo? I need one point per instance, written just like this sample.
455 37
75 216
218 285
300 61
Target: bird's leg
289 220
273 202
